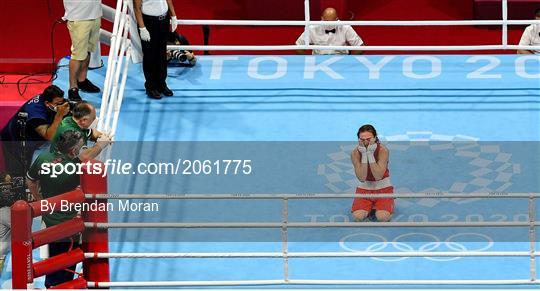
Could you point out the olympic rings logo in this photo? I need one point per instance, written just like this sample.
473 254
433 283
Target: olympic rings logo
356 243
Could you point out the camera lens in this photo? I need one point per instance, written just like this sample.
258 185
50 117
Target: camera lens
182 57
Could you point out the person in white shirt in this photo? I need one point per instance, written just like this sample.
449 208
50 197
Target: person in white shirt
84 22
331 35
153 18
531 36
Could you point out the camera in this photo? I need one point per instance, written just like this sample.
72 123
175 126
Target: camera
72 105
181 56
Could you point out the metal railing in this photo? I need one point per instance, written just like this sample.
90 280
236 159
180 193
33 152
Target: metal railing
504 23
285 224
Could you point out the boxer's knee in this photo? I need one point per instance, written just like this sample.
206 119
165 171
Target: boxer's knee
383 215
360 215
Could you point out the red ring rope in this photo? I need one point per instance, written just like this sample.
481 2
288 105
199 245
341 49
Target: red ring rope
23 241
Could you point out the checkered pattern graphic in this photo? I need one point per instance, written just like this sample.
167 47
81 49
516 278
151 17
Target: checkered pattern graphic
491 169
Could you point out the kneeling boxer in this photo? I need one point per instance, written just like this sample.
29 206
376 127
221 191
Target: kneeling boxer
370 162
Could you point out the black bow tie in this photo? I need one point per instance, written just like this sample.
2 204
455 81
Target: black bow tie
331 30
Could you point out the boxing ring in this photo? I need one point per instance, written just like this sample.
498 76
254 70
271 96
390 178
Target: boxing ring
463 134
95 253
237 239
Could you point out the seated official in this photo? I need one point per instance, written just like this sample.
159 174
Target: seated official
331 35
81 121
34 124
44 185
178 57
531 36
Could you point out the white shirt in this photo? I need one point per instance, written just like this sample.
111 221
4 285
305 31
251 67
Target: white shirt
154 7
344 35
82 9
531 36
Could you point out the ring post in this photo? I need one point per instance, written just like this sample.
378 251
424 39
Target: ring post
505 23
95 240
532 237
284 238
307 18
21 245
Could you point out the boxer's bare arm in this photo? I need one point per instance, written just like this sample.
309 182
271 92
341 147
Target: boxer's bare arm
360 169
378 168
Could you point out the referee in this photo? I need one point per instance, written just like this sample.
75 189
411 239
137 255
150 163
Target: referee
153 18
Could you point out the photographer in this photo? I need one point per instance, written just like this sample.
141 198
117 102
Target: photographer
82 119
179 58
34 124
43 185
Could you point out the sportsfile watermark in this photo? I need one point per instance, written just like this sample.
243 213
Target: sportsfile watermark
186 183
180 167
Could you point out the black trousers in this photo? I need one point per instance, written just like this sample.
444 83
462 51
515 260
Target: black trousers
15 163
155 52
13 158
59 277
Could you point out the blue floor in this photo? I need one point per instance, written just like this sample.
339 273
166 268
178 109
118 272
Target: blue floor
452 123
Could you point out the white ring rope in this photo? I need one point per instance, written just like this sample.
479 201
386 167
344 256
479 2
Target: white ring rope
353 48
504 45
364 254
356 23
312 196
310 282
306 224
310 224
